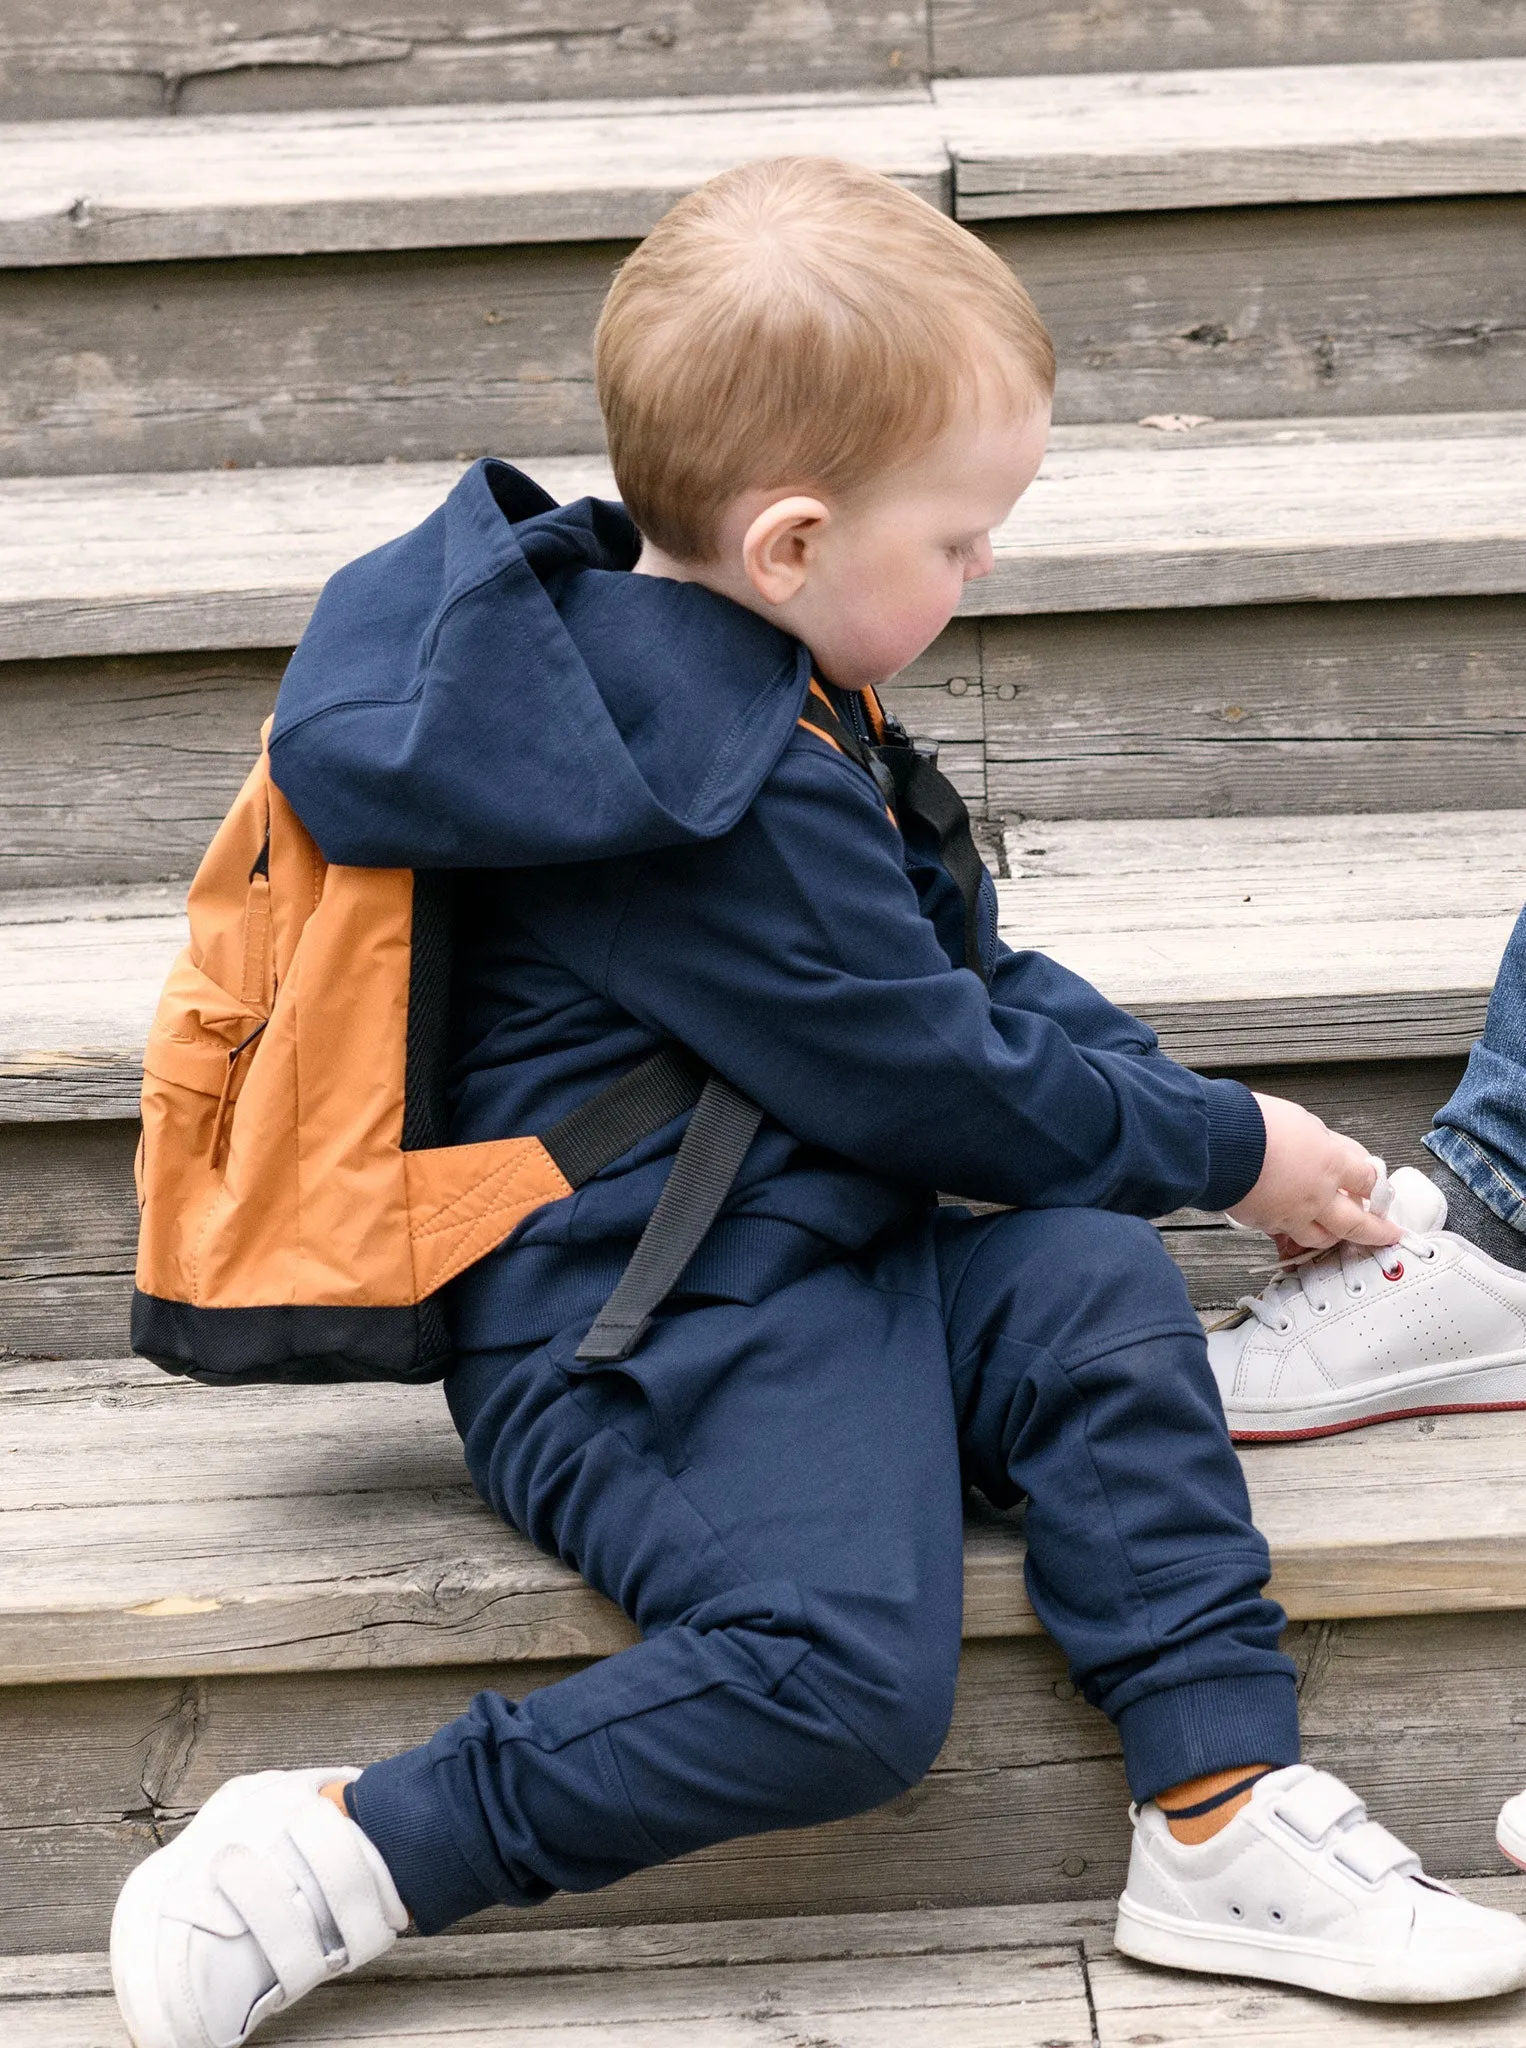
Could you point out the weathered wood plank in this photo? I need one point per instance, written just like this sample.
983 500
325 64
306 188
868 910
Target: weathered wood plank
110 57
81 976
103 1771
1025 1804
1243 313
68 1220
1238 313
1124 519
1120 518
1244 711
302 359
1111 143
980 38
1275 924
68 1234
366 1548
411 178
1242 940
287 184
120 771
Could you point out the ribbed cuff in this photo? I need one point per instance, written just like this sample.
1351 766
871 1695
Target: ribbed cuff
1236 1143
398 1805
1214 1724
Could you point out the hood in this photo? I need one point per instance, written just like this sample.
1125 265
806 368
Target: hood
500 674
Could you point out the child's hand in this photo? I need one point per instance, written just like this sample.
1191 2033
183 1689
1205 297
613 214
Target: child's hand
1313 1183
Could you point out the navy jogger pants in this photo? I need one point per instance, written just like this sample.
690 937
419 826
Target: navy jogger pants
773 1493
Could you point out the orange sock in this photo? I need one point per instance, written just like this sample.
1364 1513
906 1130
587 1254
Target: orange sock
1197 1809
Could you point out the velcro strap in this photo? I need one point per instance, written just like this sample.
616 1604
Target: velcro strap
335 1855
1316 1806
1370 1852
276 1915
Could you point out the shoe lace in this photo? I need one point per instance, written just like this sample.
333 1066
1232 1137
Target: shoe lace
1316 1274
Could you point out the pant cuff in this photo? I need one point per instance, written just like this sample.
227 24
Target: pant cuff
1213 1724
398 1805
1479 1174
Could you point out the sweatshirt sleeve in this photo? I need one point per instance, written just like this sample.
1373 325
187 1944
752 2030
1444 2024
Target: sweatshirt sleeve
792 955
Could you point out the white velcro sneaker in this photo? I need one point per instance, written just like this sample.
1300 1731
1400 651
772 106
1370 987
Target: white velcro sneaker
268 1892
1300 1887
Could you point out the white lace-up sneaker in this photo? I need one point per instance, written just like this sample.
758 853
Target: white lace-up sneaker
269 1891
1428 1326
1302 1888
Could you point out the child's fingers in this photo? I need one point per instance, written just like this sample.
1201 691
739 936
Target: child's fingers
1349 1220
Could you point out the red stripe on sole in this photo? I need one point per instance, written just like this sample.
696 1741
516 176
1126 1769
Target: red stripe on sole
1298 1436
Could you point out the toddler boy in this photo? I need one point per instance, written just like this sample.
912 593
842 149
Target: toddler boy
648 741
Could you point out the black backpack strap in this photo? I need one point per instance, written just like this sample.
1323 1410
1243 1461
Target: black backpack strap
703 1172
908 777
709 1158
921 790
594 1135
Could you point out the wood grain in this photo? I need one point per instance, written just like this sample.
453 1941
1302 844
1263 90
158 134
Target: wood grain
365 1549
410 178
68 1222
1258 136
1120 518
105 57
1324 708
1244 313
1028 1977
1243 940
1279 920
302 183
980 38
121 771
1025 1803
420 356
302 359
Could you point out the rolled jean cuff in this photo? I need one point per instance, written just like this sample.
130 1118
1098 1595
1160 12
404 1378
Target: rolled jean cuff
398 1805
1480 1173
1213 1724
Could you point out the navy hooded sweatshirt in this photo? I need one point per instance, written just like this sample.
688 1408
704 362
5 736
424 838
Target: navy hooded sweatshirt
650 848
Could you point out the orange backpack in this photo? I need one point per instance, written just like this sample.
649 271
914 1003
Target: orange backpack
300 1210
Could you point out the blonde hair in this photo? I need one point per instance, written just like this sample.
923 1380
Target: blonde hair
798 323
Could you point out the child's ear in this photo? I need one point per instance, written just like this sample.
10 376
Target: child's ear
779 546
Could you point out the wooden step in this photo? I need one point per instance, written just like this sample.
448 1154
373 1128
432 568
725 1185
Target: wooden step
1238 312
177 1605
998 1977
104 57
1241 940
118 769
150 1533
69 1220
286 184
1120 519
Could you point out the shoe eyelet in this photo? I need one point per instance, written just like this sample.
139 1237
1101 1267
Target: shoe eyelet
1429 1252
1320 1308
1237 1912
1392 1272
1276 1915
1284 1326
1357 1287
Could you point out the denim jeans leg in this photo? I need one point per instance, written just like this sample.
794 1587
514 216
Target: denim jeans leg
1481 1133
